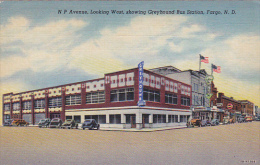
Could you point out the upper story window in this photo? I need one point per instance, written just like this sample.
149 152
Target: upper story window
185 101
55 102
151 95
171 99
73 100
95 97
16 106
126 94
27 105
7 107
39 104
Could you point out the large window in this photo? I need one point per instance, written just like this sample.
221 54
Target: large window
39 104
184 118
16 106
122 95
185 101
150 95
27 105
95 97
7 107
101 119
114 119
73 100
55 102
159 118
173 119
171 99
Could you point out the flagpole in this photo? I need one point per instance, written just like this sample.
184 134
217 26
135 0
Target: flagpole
199 75
211 69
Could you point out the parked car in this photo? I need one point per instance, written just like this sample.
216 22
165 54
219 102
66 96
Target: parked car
90 124
204 123
70 124
226 120
248 119
56 123
241 119
8 122
214 122
231 121
257 118
44 123
195 122
20 122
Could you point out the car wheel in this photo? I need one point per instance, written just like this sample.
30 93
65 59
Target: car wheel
98 127
83 128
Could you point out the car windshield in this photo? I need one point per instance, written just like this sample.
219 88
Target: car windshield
55 120
68 121
41 121
88 121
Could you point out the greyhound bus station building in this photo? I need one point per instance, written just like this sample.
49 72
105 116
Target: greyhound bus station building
111 100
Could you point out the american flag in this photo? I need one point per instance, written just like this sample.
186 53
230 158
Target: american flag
204 59
216 69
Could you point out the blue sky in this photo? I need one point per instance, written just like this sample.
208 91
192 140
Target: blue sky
41 48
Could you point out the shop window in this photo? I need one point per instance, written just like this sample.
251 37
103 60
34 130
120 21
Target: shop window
114 119
77 119
68 117
101 119
157 118
173 119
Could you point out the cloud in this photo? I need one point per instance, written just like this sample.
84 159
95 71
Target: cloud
42 48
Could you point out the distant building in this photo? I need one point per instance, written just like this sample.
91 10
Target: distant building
247 107
194 78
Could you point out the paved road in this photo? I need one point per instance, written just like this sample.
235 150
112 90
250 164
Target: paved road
225 144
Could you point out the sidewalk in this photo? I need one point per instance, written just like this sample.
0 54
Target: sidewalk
142 130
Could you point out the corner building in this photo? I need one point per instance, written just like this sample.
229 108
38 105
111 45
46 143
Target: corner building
111 100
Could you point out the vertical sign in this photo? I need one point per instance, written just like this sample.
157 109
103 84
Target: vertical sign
141 101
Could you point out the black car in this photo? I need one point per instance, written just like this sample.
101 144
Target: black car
70 124
214 122
56 123
44 123
90 124
8 122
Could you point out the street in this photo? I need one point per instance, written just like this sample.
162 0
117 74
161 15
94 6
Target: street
225 144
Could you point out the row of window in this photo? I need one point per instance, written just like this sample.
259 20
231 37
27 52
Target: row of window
116 118
99 97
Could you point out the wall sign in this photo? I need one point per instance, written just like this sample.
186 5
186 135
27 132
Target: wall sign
141 101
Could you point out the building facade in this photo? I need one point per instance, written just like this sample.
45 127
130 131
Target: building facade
111 100
247 107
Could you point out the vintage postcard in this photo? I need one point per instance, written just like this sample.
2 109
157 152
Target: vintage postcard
129 82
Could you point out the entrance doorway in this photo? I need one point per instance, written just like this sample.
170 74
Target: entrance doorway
131 119
145 119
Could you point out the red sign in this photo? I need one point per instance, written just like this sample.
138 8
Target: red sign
229 106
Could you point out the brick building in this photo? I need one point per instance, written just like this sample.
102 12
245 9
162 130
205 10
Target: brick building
247 107
111 100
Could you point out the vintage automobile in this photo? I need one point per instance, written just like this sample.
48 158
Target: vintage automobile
8 122
226 120
214 122
204 123
241 119
257 118
248 119
90 124
231 121
56 123
20 122
195 122
70 124
44 123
